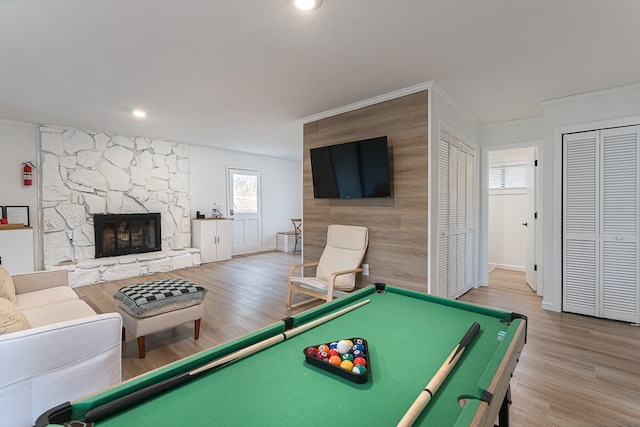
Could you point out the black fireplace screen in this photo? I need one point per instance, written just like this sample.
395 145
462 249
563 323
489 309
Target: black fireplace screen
121 234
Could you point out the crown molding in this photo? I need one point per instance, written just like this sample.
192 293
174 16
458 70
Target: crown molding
371 101
556 101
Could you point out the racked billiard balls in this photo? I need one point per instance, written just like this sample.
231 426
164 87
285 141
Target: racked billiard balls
347 356
344 346
347 365
357 353
360 361
359 369
335 360
323 347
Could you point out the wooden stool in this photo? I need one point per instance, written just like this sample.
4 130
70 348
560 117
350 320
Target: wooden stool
147 308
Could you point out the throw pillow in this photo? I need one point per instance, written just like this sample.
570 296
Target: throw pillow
11 319
7 288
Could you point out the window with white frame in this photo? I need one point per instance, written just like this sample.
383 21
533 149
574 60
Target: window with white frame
502 177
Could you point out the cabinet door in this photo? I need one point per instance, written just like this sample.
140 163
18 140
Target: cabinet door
203 236
16 250
225 239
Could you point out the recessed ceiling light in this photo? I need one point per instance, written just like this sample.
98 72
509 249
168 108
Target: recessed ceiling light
140 113
307 4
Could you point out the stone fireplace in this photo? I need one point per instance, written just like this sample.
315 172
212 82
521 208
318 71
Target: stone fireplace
123 234
88 176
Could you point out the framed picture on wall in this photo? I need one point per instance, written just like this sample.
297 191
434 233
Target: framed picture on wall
17 214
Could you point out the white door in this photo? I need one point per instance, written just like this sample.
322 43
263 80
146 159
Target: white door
456 201
245 209
530 274
600 223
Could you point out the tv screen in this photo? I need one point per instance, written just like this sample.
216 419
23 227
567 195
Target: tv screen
351 170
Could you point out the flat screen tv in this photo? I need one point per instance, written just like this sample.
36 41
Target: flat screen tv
351 170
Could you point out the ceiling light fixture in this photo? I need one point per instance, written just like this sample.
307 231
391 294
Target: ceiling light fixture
140 113
307 4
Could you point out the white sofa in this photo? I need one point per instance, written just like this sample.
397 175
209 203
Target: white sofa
67 352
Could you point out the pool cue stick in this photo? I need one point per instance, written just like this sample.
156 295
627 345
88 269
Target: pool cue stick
117 405
426 395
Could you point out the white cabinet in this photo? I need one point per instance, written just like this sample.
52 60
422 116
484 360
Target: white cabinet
16 250
214 238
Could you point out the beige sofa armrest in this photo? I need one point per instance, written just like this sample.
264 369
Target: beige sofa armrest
45 366
30 282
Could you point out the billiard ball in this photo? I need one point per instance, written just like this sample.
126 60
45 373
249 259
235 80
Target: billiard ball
358 347
311 351
357 353
335 360
333 345
347 356
322 355
347 365
323 347
360 361
359 369
334 352
358 341
344 346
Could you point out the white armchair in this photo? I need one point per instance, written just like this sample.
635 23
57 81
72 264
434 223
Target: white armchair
336 270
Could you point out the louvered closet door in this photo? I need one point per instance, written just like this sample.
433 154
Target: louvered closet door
619 242
580 222
456 203
600 223
443 219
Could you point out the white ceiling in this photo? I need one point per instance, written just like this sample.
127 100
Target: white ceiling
241 74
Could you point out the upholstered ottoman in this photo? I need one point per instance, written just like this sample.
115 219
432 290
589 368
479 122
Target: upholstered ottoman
151 307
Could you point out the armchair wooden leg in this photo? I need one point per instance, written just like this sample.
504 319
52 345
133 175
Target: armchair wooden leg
288 298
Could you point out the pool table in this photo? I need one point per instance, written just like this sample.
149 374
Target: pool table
409 336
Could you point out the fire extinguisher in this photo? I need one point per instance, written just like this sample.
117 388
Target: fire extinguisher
27 174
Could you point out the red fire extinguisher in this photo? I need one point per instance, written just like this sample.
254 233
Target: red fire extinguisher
27 174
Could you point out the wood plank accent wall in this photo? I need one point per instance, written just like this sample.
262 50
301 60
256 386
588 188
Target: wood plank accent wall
397 252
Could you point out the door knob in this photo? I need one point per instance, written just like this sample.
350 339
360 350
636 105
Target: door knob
525 224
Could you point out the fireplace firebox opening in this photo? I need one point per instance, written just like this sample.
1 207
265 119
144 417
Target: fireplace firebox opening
122 234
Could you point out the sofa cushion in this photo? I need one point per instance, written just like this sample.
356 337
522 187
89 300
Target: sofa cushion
11 319
58 312
7 288
151 298
45 297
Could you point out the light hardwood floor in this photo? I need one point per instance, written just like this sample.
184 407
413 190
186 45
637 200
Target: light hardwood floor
574 370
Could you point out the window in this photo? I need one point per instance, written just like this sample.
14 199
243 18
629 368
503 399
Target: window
245 193
508 176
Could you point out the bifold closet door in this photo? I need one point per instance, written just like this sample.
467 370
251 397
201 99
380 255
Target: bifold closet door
456 201
600 223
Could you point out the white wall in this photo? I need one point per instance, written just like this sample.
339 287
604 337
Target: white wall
281 187
607 108
17 145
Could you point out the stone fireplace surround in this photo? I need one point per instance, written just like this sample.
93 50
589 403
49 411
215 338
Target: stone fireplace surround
86 172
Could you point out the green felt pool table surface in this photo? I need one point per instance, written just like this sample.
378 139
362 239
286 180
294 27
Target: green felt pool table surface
409 336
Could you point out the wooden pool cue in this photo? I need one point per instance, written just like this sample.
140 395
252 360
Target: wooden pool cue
117 405
426 395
